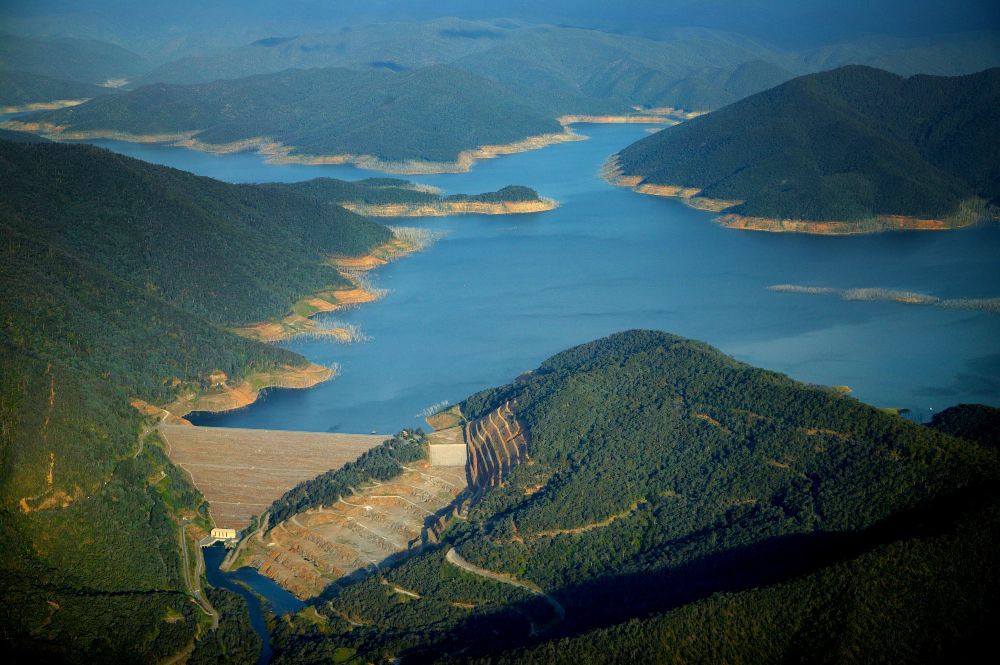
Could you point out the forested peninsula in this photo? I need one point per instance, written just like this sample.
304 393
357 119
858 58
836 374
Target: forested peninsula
430 120
853 150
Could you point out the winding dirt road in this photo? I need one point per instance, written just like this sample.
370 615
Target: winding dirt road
455 559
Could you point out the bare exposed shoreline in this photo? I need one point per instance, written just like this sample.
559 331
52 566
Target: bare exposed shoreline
227 396
43 106
872 294
444 208
276 152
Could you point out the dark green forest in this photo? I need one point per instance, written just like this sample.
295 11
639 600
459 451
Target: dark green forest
427 114
848 144
232 254
667 480
975 422
926 598
119 279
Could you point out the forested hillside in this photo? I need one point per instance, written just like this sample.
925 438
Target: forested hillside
976 422
429 114
116 277
852 144
233 254
667 477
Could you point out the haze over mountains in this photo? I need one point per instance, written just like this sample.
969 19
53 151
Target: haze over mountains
431 90
692 68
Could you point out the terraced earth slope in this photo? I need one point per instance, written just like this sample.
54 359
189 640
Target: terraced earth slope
496 444
352 536
311 549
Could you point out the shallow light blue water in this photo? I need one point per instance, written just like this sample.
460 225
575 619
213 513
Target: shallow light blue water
279 600
498 295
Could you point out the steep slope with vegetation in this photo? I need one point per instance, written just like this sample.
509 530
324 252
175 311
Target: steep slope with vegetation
857 148
896 603
115 289
232 254
660 472
426 115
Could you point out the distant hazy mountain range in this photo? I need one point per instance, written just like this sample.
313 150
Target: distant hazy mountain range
852 144
691 68
502 84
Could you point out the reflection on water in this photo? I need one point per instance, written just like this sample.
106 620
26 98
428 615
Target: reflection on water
499 294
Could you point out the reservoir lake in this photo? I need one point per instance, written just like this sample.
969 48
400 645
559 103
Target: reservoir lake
496 295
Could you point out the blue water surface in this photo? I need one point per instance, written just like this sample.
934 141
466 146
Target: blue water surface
497 295
278 600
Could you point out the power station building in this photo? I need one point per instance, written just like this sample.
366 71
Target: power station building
224 534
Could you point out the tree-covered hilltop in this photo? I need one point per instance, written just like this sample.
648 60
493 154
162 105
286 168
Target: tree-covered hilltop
381 191
117 277
233 254
848 144
665 477
429 114
976 422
